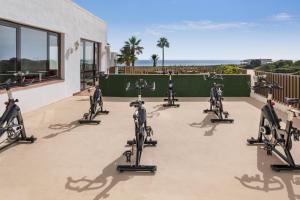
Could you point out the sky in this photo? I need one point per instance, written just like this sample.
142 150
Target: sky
204 29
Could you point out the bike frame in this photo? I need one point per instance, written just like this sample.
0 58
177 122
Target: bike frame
171 94
11 112
95 100
216 102
283 137
142 134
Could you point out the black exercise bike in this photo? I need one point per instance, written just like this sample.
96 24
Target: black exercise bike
270 133
11 121
171 93
216 99
143 132
96 105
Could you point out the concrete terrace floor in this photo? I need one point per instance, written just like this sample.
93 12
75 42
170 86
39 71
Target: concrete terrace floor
195 159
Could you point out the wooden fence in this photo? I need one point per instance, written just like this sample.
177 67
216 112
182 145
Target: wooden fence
290 84
176 69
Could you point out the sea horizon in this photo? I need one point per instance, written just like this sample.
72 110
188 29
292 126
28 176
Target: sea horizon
187 62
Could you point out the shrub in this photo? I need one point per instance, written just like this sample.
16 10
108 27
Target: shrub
230 69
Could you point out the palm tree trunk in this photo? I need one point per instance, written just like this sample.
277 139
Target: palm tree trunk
163 61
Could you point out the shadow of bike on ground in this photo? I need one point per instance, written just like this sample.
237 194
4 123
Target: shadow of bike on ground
206 123
105 182
156 112
62 129
269 180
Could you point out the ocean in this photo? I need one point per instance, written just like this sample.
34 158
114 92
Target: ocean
186 62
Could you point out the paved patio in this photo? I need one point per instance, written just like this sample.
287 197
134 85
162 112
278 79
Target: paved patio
195 159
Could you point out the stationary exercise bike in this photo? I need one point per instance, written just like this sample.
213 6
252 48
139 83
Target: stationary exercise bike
216 98
11 121
171 93
143 132
270 133
96 105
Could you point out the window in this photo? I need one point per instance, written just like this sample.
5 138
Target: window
34 52
89 65
8 52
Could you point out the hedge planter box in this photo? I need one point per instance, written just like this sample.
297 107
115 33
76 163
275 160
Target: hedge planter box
185 85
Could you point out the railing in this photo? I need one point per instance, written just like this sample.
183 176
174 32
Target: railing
290 84
176 69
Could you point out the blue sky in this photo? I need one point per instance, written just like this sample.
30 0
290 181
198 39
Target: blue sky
204 29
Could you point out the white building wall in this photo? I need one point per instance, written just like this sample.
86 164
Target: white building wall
75 23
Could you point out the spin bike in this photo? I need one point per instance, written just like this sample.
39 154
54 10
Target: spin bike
96 105
171 93
11 121
216 98
270 133
143 132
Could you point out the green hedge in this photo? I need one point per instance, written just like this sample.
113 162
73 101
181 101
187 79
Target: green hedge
184 85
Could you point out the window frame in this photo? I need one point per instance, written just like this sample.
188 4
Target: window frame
19 42
96 66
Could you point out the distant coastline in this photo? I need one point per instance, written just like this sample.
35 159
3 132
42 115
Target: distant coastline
187 62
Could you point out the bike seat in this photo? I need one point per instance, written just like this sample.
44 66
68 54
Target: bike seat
136 103
291 101
219 85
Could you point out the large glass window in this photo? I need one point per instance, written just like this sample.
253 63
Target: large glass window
88 63
8 52
32 51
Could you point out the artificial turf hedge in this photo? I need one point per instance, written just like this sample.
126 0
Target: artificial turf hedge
184 85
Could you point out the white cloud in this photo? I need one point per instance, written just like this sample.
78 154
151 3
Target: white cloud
282 17
137 33
160 29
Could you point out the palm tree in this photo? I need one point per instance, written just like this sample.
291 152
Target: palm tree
125 56
154 58
135 49
163 43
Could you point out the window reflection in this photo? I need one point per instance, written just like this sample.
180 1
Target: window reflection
33 51
28 54
88 63
8 52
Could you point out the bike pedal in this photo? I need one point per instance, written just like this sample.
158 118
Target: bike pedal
128 155
297 135
85 115
281 140
149 130
269 152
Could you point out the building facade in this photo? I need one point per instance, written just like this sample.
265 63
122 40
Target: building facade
262 61
52 48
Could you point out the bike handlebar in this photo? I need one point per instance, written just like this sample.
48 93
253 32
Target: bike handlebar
214 76
7 84
140 84
218 85
267 86
262 82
